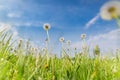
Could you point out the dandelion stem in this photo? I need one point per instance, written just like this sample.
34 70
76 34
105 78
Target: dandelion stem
48 36
47 45
118 22
62 50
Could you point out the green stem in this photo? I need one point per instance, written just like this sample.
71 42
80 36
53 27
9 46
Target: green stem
48 36
118 22
48 47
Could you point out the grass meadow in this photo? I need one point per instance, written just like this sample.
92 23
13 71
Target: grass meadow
24 62
19 60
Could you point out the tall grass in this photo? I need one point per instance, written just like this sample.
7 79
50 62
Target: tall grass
28 63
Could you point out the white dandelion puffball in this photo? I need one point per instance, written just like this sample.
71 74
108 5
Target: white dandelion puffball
61 39
44 49
110 10
20 41
83 36
46 26
68 42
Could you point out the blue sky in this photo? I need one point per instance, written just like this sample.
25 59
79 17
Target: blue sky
68 18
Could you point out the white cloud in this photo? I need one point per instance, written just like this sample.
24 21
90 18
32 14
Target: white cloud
2 7
18 24
27 24
23 23
14 15
92 21
107 41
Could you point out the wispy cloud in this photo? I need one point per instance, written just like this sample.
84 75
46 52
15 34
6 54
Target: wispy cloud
27 24
2 7
107 41
14 15
23 23
92 21
19 24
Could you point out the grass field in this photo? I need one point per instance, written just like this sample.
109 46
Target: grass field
23 62
19 60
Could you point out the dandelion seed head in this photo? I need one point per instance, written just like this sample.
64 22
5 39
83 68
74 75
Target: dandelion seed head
32 49
68 42
75 48
15 50
36 49
46 26
83 36
11 49
20 41
43 49
68 49
96 50
110 10
61 39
